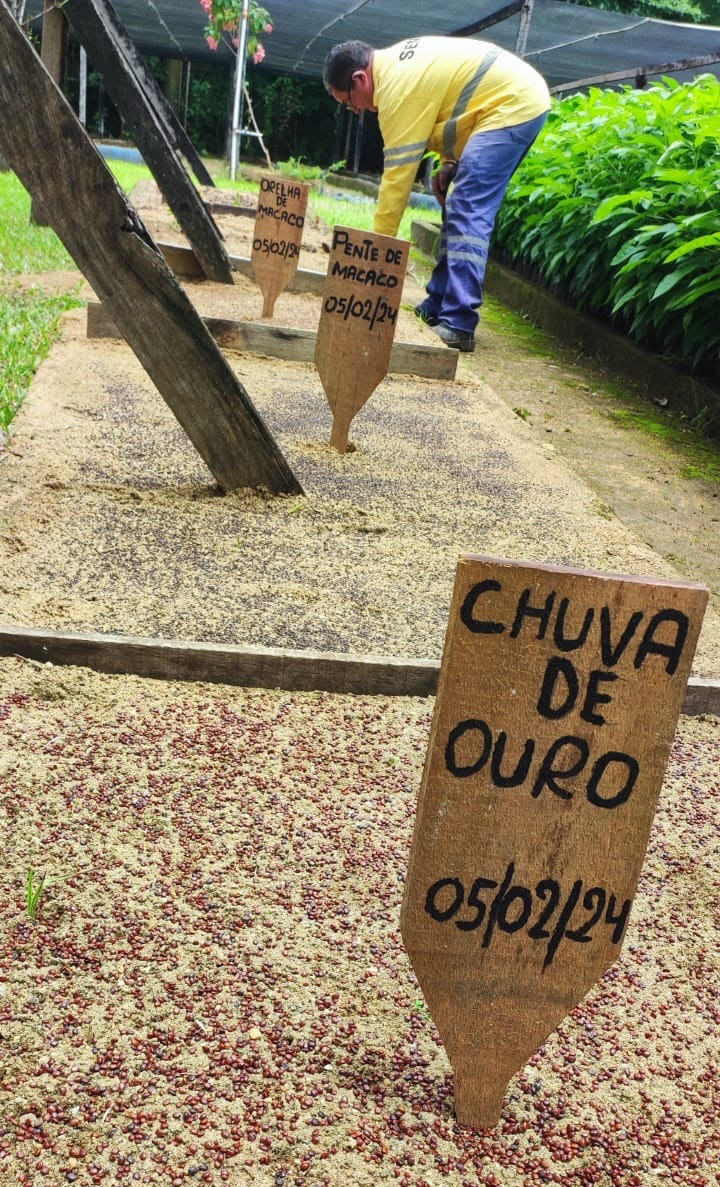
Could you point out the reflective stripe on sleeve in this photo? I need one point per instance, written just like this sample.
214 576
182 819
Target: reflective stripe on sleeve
404 154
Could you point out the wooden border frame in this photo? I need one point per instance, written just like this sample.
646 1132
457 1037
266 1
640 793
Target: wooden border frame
259 667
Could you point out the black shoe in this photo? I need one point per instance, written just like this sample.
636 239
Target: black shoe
457 339
428 318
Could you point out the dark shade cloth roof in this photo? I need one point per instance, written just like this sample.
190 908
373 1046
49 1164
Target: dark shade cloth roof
566 42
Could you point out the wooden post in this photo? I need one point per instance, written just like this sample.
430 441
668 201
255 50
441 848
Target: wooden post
357 322
153 95
524 27
278 233
156 129
111 247
54 42
557 704
53 51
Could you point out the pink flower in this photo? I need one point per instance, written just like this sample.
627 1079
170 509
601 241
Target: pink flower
212 42
207 5
268 28
259 54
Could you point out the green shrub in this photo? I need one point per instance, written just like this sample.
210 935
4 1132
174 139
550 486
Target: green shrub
618 205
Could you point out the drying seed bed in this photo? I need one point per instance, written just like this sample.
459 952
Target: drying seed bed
215 990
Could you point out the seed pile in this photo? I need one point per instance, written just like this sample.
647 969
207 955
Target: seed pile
215 990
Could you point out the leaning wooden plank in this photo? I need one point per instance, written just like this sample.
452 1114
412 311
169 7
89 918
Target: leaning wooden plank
258 667
640 72
296 346
176 133
98 30
53 51
184 262
89 212
249 667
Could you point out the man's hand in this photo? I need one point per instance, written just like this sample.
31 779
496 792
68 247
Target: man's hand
442 179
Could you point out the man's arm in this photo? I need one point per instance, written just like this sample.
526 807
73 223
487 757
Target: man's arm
405 130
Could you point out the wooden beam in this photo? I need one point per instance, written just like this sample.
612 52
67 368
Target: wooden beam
184 262
228 208
154 126
247 667
111 247
258 667
54 41
524 27
494 18
53 51
292 345
598 80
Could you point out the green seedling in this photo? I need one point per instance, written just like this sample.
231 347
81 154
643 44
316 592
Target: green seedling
35 888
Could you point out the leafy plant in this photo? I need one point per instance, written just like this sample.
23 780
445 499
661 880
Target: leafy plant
223 21
618 206
34 889
296 168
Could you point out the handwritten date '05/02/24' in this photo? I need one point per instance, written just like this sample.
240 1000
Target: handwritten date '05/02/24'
277 247
373 312
511 909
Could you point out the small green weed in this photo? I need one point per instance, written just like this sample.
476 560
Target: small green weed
523 413
35 887
296 168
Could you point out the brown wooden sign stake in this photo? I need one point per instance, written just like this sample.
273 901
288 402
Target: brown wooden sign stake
278 233
558 701
360 305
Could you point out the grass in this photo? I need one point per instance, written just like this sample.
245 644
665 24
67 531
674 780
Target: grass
698 459
29 322
24 247
29 317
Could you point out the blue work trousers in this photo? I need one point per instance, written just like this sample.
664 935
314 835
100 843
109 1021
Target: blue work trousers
486 165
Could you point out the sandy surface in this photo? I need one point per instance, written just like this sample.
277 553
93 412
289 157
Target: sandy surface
112 523
214 988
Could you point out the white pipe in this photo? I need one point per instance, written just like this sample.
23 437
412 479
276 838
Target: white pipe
237 113
82 103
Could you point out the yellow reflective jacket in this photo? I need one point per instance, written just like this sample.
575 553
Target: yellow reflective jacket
434 93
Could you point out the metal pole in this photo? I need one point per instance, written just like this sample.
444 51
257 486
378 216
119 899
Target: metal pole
82 102
237 112
524 27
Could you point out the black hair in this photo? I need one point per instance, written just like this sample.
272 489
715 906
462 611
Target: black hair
342 61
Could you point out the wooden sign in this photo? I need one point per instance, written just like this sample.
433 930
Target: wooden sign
278 233
357 323
557 704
